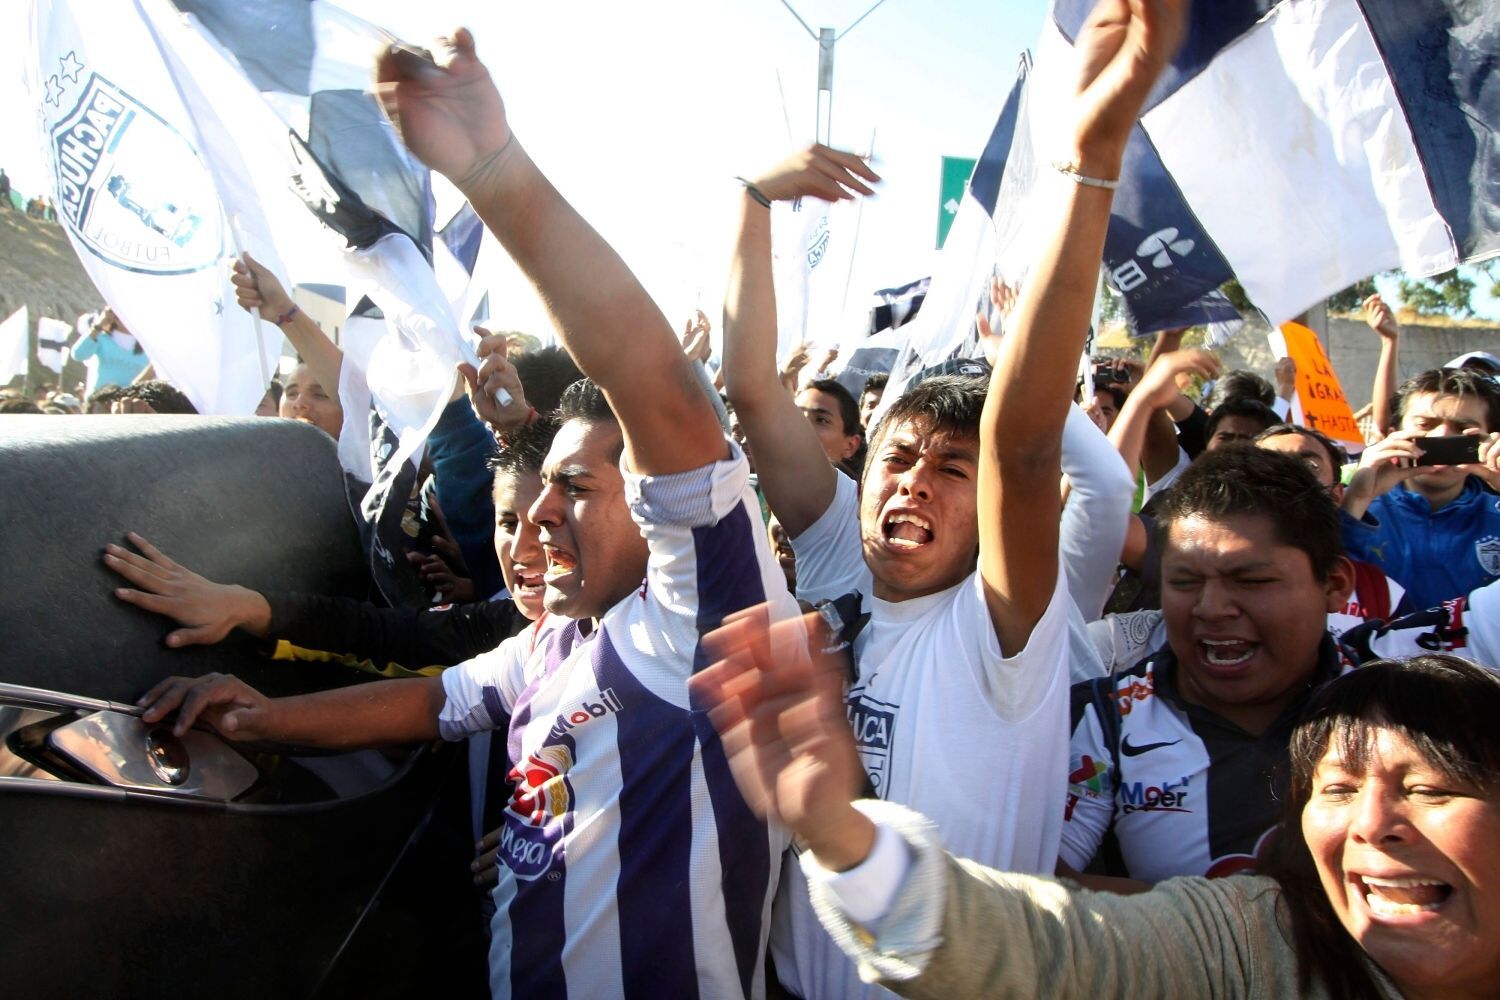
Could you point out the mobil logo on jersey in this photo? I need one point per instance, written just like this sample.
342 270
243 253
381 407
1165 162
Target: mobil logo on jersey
131 189
534 817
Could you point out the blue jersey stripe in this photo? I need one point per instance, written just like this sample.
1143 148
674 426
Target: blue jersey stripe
1440 55
729 580
654 894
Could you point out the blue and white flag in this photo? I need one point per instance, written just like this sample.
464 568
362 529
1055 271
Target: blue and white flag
139 197
52 336
1297 146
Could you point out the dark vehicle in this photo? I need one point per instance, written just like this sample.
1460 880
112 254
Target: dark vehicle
136 864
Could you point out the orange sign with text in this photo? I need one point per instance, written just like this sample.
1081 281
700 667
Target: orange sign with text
1324 407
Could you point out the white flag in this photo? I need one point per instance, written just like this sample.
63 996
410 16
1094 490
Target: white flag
138 199
14 350
51 338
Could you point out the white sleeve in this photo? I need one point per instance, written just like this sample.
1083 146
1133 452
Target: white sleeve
1018 685
1484 626
1097 514
1091 792
830 558
865 891
481 692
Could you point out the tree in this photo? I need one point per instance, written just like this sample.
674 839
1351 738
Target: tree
1442 294
1350 299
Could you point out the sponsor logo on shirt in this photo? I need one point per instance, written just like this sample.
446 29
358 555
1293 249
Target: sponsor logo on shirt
1086 782
587 711
1133 691
874 725
541 798
1169 796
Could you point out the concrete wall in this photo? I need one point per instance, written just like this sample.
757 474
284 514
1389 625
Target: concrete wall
1354 349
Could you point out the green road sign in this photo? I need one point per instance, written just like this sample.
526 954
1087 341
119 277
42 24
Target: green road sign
956 171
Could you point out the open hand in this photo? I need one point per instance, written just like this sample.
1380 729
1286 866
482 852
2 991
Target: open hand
817 172
696 343
234 708
779 709
1158 386
208 611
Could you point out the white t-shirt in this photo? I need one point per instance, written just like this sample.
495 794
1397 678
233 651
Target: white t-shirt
945 725
630 864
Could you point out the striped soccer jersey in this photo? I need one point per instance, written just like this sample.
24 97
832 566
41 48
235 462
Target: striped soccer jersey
629 863
1183 790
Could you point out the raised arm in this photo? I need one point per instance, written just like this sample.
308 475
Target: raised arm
794 471
1388 369
451 116
255 287
1121 49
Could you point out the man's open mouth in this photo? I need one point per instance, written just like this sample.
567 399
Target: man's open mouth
905 530
1226 652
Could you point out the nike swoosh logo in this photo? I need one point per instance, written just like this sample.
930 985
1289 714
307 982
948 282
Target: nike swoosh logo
1133 751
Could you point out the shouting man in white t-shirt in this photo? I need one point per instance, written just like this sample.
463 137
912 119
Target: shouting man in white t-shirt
958 522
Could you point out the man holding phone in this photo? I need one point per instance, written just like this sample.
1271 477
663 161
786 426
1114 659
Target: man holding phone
1421 504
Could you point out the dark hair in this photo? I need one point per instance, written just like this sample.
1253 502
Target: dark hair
1115 393
584 400
524 449
545 375
1337 456
274 387
1239 406
163 397
1240 384
943 404
1460 382
1242 479
18 406
1445 708
876 383
848 405
106 394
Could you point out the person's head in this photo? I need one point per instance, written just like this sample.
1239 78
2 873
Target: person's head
869 397
162 397
596 554
834 414
545 375
15 405
1107 403
1237 420
1446 401
1251 565
781 549
103 398
1392 821
1323 455
270 403
918 522
1240 384
304 398
518 483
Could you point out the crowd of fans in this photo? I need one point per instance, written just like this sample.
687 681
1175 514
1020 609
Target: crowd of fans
757 658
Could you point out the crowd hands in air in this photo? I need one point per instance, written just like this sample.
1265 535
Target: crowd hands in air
1155 668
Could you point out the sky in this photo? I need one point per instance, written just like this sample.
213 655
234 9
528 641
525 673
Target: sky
642 114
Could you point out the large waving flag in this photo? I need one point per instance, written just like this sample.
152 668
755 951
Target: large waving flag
139 199
1296 146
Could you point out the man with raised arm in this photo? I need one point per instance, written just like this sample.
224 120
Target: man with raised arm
631 866
957 523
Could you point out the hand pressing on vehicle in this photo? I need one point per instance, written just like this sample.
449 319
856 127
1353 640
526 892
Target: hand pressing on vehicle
207 611
233 708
